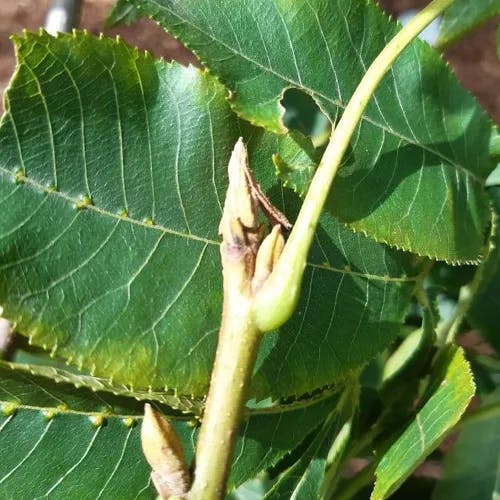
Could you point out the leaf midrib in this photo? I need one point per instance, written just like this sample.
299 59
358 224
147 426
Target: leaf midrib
190 236
249 412
60 194
68 411
300 404
312 92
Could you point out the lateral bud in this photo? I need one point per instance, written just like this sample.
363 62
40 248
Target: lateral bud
269 251
163 451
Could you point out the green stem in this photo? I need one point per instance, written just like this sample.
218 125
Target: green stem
278 297
245 317
239 338
447 331
238 345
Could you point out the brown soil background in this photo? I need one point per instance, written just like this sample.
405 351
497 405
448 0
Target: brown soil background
30 14
473 59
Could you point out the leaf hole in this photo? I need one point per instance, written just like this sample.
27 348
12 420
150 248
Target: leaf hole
303 114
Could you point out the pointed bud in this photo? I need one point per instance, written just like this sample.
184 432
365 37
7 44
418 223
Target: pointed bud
267 255
163 451
239 204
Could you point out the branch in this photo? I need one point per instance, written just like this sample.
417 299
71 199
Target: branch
246 262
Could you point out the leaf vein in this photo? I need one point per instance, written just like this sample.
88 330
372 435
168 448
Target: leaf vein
30 452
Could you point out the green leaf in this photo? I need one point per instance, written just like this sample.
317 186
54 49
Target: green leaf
420 151
267 438
463 16
109 251
302 114
255 489
454 388
414 349
404 369
76 443
122 13
354 295
296 160
483 311
495 139
66 443
184 404
305 478
177 403
118 254
494 177
472 468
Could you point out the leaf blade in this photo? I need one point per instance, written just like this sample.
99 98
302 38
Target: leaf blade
472 468
438 415
310 475
68 441
135 296
323 49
